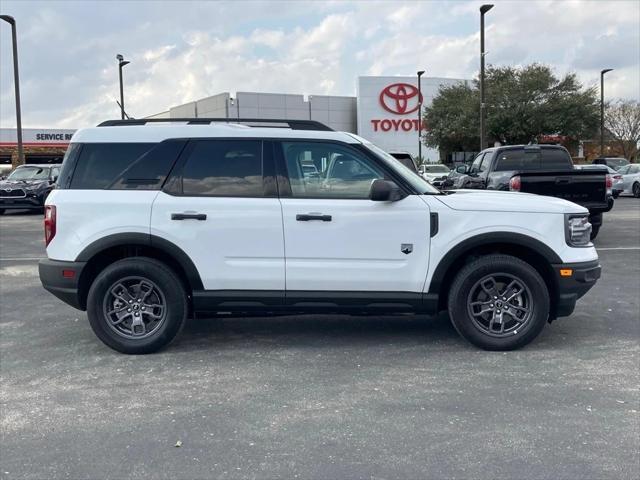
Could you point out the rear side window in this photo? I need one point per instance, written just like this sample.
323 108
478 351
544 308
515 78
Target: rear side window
555 159
99 164
510 160
224 168
150 170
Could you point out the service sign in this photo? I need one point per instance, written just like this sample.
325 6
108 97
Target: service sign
43 137
388 111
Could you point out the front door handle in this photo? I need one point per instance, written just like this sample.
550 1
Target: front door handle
188 216
306 217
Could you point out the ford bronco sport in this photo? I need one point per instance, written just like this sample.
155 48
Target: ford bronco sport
156 221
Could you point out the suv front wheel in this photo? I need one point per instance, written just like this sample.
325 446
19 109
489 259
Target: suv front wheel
137 305
499 302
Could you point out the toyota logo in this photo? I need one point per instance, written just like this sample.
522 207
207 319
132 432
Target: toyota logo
399 98
9 189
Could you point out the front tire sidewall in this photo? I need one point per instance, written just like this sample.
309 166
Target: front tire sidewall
164 278
493 264
636 190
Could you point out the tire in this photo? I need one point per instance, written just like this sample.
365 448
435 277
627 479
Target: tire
164 302
636 190
1 211
480 330
594 231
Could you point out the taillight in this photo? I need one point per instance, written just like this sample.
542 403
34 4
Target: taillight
609 183
515 184
49 223
617 177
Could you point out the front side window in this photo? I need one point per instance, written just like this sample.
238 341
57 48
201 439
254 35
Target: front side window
339 171
224 168
634 169
475 166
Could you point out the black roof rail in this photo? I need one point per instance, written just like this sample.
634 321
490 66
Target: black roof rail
251 122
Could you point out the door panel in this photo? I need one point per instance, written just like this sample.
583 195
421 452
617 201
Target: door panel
220 208
359 248
239 246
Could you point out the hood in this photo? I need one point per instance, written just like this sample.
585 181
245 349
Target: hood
500 201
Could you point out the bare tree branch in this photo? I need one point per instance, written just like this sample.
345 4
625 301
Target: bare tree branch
622 120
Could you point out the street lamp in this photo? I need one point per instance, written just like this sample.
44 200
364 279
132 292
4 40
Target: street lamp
420 73
121 63
602 109
309 102
483 9
16 82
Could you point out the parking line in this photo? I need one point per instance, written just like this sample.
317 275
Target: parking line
616 248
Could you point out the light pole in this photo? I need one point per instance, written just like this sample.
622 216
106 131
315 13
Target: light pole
309 102
420 73
16 81
121 63
602 109
483 134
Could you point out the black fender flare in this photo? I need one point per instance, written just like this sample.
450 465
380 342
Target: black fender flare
144 239
469 244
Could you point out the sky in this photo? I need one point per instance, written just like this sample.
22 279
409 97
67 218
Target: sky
183 51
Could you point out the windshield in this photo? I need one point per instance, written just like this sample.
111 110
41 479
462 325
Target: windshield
29 173
436 169
416 181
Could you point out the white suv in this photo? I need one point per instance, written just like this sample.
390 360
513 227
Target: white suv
152 222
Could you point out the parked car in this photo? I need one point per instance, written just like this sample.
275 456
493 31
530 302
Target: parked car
434 172
631 179
617 187
614 162
406 159
151 223
544 170
27 187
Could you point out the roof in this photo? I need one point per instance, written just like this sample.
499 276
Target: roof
162 131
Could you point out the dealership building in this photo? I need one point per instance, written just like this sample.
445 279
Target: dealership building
385 110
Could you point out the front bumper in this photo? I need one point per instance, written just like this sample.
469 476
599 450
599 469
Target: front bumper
56 277
29 202
570 288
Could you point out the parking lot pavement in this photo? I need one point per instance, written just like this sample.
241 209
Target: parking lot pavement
321 397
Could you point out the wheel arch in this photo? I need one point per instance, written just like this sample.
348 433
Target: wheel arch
535 253
114 247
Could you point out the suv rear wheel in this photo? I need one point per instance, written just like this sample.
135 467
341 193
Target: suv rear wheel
137 305
499 302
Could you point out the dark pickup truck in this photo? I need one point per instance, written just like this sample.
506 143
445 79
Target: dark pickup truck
544 170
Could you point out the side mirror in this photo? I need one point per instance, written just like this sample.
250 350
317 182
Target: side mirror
385 191
462 169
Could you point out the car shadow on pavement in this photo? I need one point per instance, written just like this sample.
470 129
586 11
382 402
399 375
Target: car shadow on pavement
304 330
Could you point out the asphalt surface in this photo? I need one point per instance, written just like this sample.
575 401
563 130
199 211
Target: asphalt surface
321 397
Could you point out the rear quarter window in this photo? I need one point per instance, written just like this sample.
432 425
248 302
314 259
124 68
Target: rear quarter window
99 164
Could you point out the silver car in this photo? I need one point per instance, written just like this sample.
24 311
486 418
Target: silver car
631 179
617 186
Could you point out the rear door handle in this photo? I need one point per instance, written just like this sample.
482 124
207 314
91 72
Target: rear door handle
306 217
188 216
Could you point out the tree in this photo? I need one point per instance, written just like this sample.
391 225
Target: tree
622 120
522 103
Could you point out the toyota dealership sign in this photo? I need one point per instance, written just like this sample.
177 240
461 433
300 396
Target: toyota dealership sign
388 111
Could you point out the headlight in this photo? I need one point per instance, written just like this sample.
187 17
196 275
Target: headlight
577 230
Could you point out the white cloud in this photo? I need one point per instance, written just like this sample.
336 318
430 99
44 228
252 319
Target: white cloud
69 73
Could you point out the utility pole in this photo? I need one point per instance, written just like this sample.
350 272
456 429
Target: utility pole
602 109
483 133
16 81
